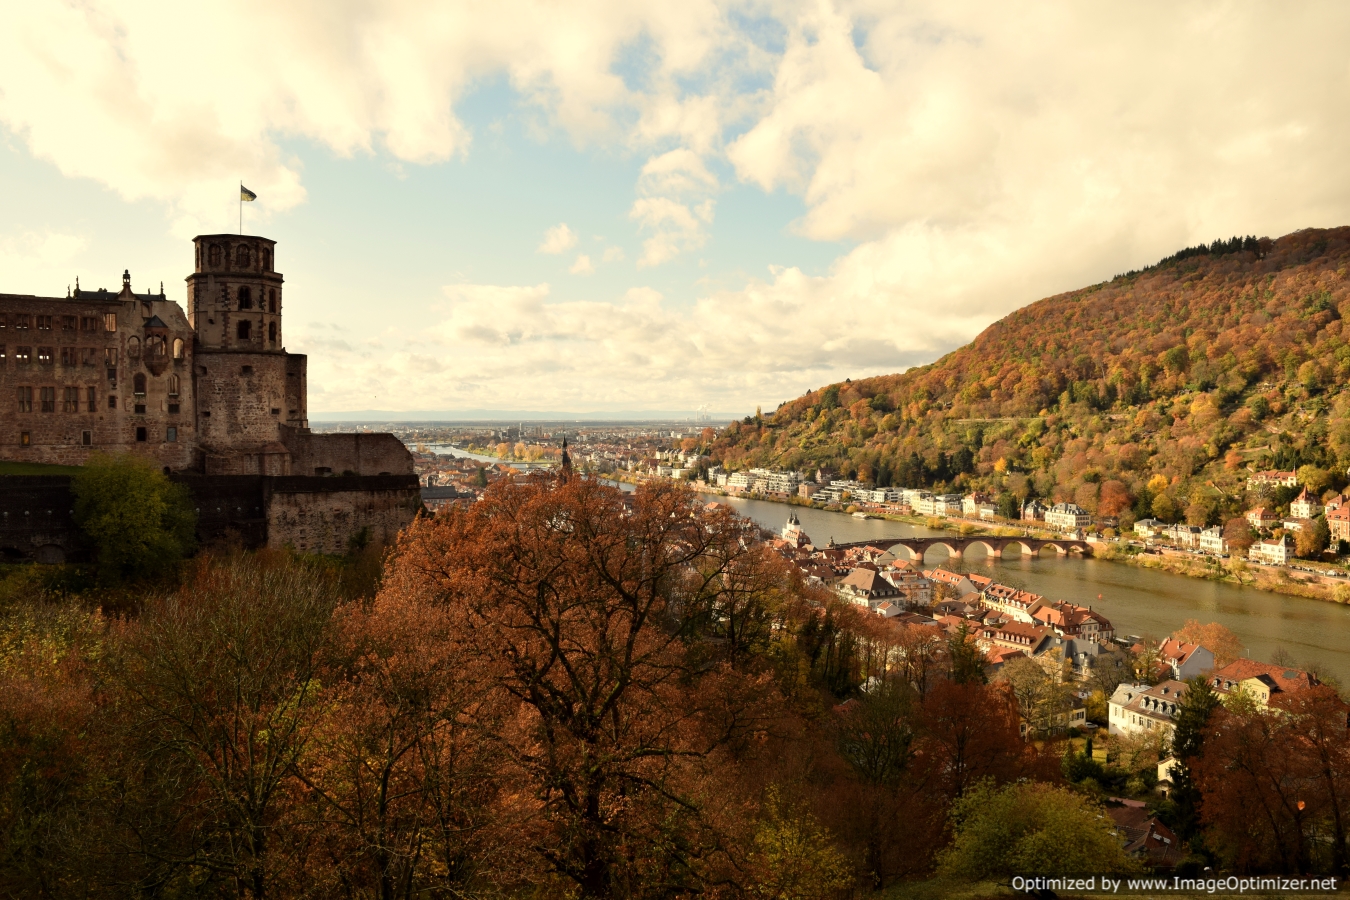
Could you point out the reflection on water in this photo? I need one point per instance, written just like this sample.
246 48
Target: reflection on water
1137 601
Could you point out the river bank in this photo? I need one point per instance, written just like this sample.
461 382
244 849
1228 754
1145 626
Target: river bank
1240 572
1145 600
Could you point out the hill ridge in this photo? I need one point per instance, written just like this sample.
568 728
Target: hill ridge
1189 371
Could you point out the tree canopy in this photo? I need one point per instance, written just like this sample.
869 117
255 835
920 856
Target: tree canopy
140 523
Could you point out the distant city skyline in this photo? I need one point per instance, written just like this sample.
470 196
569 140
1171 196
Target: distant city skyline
607 207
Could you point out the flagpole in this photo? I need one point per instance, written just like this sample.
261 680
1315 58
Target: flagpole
241 208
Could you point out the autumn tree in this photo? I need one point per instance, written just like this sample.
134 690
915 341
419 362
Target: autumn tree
1217 639
588 618
1114 499
1312 539
970 732
794 855
404 786
1239 535
221 683
1042 699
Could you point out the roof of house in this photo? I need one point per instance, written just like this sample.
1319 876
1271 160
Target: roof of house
1066 615
1145 835
1158 701
1280 678
868 580
943 576
1030 636
1178 652
999 655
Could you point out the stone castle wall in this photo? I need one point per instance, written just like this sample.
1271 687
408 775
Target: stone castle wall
323 515
346 454
79 375
310 514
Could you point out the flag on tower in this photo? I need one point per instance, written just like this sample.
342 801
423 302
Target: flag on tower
246 194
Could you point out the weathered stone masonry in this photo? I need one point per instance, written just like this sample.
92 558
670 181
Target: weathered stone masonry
308 513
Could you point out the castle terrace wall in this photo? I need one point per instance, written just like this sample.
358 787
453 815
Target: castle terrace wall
37 519
326 515
230 508
347 453
311 514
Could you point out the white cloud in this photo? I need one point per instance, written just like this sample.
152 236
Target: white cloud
975 156
674 208
558 239
113 92
583 266
676 227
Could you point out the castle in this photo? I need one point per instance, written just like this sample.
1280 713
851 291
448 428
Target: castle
210 392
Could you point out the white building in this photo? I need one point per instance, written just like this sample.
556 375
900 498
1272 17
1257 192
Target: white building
1184 536
1148 527
978 506
1212 541
1137 708
1305 506
1272 553
1067 516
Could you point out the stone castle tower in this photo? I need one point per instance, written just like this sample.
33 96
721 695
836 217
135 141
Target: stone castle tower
249 389
212 391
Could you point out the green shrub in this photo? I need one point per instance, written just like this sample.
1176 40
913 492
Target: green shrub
141 524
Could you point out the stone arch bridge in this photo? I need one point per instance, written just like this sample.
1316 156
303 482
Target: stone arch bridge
956 546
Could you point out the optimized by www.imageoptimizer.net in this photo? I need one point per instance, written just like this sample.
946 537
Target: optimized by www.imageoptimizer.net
1106 884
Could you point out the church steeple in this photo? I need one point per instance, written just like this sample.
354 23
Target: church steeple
566 460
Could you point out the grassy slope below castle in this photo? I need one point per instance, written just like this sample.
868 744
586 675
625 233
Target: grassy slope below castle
1151 394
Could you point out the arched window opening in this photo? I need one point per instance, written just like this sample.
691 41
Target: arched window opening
271 332
245 298
133 347
179 348
272 300
173 385
214 254
267 260
245 331
138 384
241 256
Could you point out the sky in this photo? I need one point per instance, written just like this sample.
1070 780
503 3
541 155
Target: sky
605 205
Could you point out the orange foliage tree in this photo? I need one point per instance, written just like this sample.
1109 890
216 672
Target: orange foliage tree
587 617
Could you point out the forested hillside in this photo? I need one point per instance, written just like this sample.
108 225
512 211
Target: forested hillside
1152 393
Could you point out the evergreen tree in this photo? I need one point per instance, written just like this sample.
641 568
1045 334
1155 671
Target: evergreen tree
966 659
1197 705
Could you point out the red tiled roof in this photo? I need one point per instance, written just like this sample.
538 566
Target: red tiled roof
1180 651
1283 678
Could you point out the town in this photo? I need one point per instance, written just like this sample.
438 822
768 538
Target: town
1069 671
1288 525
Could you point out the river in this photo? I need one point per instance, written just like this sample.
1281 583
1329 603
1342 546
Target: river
450 450
1136 600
